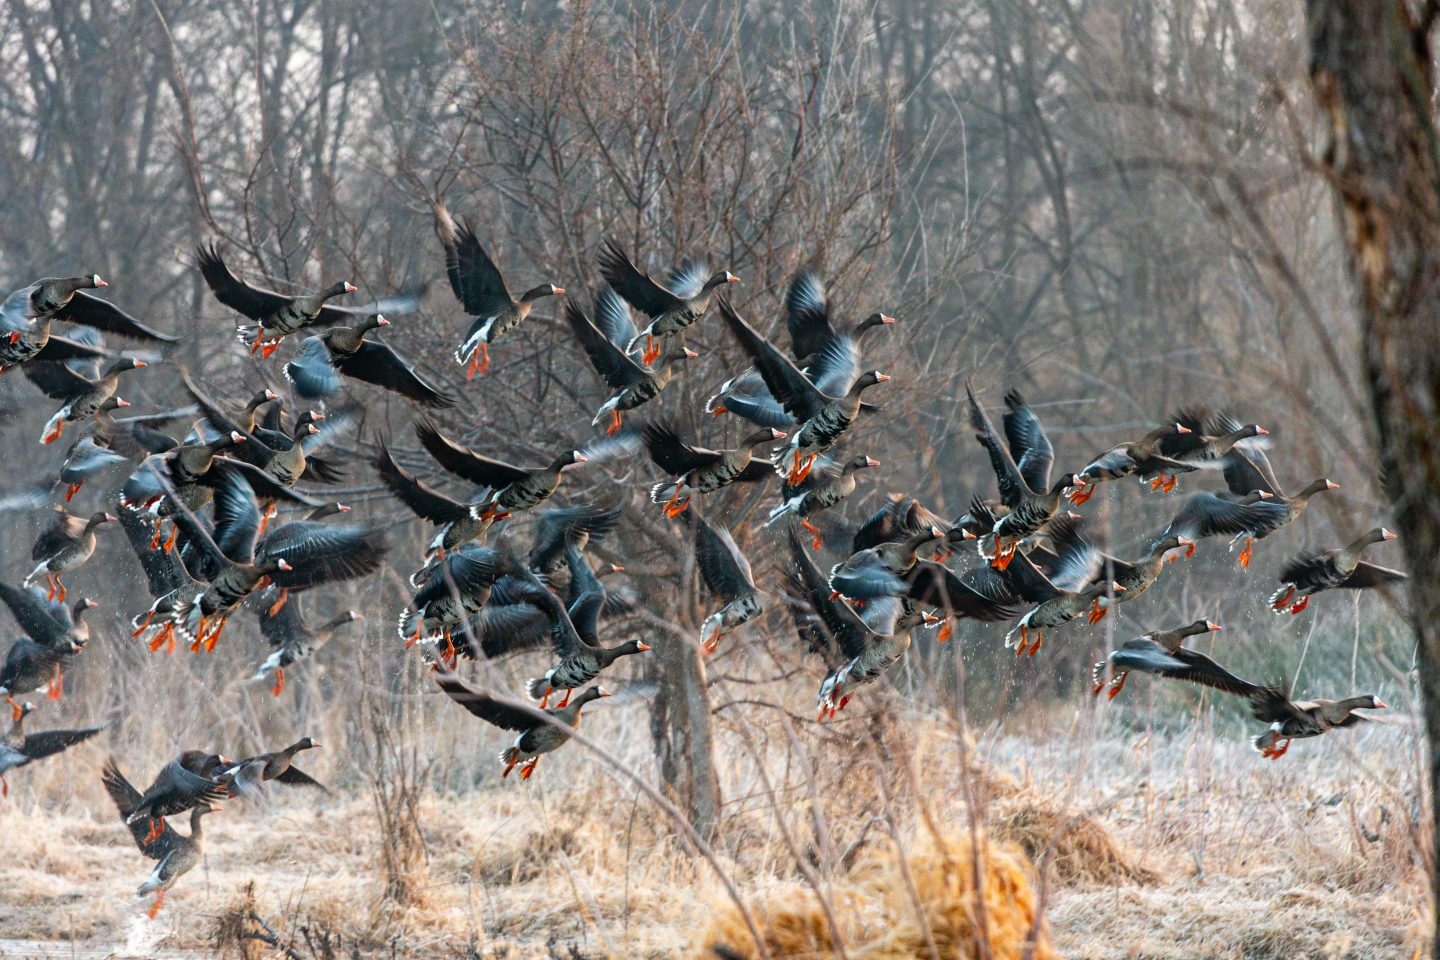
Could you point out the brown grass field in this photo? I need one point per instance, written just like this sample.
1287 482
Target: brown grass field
1132 841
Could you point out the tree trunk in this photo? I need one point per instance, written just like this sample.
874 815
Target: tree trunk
681 728
1373 78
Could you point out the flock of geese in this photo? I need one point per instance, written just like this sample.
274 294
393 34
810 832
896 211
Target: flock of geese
199 510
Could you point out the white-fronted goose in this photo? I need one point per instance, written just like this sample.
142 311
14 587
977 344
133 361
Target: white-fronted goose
82 398
277 316
671 307
820 492
602 339
482 292
1247 469
1341 568
537 737
726 574
323 362
1140 458
64 545
823 418
1161 653
293 637
175 854
700 470
517 489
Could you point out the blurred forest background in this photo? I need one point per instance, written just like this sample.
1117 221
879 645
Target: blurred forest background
1112 205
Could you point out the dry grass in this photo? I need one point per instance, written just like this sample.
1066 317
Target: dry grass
1167 847
879 918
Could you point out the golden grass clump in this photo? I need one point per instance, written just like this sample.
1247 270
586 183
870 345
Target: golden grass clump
877 916
1077 846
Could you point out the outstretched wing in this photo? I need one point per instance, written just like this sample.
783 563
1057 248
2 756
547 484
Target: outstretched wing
1028 443
474 278
379 364
104 315
482 705
641 292
463 462
800 398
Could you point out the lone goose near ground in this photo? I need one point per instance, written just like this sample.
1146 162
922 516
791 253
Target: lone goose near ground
482 292
175 854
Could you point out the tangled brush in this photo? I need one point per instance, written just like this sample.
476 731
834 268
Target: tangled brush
878 918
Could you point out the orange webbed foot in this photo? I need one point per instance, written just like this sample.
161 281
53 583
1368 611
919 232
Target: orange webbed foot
616 422
564 701
1117 685
73 489
157 827
1300 605
947 629
16 712
279 687
1246 553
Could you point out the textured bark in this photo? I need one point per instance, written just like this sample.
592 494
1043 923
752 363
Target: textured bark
1373 77
684 739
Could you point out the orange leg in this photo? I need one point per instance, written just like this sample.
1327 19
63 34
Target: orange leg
1300 604
564 702
170 540
1170 482
545 699
155 538
73 489
1082 493
1117 685
1039 641
652 350
1097 612
947 629
270 347
616 421
1024 641
157 827
720 410
1245 554
155 907
528 768
219 629
258 342
54 435
677 507
512 758
60 592
15 710
279 682
1282 602
265 518
279 603
450 655
50 580
57 685
814 532
804 471
711 644
419 632
479 362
